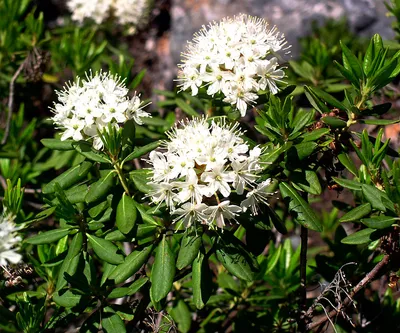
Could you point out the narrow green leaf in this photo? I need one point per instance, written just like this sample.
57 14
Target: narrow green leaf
201 281
126 214
361 237
356 213
328 98
302 210
105 250
69 177
334 122
315 101
71 261
348 163
189 250
57 144
86 149
138 152
100 188
379 222
186 107
379 122
347 74
351 63
48 236
235 258
67 299
315 135
377 198
131 264
182 316
112 323
141 178
163 271
347 183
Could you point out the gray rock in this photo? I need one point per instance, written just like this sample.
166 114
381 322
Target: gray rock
292 17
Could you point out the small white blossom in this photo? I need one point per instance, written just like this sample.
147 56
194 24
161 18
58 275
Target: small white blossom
233 58
257 196
88 106
9 241
202 165
133 13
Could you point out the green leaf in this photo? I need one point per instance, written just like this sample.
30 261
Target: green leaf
69 177
361 237
67 299
186 107
162 272
126 214
348 163
57 144
379 122
189 250
377 198
141 178
138 152
101 188
235 258
347 74
328 98
334 122
314 135
48 236
70 263
303 212
182 316
348 183
351 63
307 181
273 155
379 222
127 291
112 323
356 213
86 149
315 101
201 281
369 57
131 264
105 250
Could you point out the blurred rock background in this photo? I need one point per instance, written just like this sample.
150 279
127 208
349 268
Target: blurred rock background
157 46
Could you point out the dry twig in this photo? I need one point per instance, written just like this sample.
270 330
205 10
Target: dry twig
349 299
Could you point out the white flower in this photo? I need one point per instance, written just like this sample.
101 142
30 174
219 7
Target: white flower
201 165
221 211
9 241
88 106
234 58
257 196
133 13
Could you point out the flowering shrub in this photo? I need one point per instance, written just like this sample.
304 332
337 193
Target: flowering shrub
9 241
124 222
127 12
87 107
235 59
203 164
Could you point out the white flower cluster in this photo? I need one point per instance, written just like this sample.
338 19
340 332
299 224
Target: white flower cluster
203 164
8 241
234 58
88 106
131 12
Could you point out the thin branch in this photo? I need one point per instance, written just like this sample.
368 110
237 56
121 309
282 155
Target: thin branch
11 102
367 279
